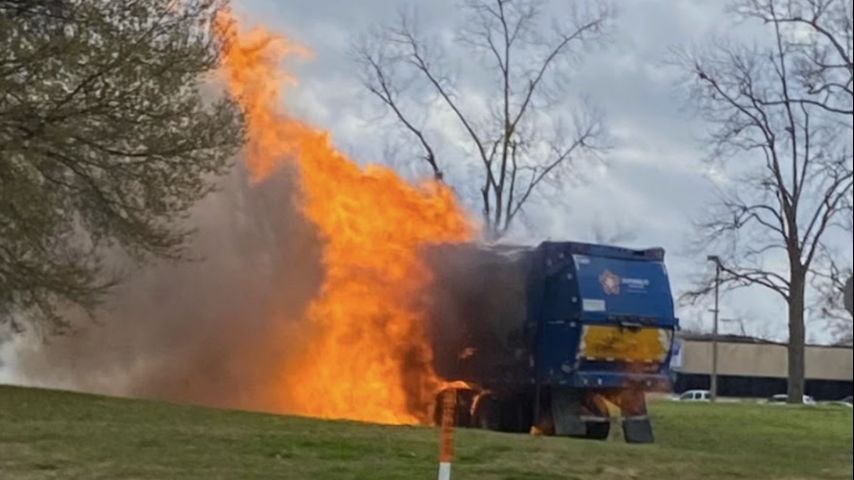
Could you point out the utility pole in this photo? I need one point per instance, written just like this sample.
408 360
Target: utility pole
713 390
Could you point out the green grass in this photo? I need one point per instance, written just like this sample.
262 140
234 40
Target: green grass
50 434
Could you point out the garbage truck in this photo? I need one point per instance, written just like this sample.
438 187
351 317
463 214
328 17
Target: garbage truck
564 338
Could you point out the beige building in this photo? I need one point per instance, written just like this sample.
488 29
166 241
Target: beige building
750 367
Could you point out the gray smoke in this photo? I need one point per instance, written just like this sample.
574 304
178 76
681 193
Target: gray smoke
477 310
211 331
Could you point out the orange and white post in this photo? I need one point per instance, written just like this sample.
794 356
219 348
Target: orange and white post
446 450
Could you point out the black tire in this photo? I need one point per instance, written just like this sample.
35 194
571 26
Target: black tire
502 414
597 430
516 415
487 414
437 410
461 413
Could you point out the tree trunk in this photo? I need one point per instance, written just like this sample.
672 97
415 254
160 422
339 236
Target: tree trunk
797 336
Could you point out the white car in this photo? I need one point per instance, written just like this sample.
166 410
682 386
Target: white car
694 396
783 398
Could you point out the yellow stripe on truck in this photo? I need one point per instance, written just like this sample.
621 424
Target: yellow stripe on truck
624 344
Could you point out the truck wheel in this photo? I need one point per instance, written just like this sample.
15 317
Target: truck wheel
597 430
487 414
437 410
462 418
516 415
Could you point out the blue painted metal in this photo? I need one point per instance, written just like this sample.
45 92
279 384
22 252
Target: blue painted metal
573 284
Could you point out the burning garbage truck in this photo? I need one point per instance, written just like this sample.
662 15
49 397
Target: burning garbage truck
558 338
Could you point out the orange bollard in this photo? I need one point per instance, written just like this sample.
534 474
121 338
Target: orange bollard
446 451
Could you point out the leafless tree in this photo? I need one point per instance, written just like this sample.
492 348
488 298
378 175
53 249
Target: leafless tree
830 273
519 137
829 306
819 43
781 116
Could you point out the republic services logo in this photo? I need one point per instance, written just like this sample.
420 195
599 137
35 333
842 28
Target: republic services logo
610 282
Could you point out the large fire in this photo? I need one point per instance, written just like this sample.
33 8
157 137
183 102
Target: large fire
367 356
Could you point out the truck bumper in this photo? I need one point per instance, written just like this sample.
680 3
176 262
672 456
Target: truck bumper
604 379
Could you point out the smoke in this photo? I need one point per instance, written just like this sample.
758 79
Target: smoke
477 305
215 330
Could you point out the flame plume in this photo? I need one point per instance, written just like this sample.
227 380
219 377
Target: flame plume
366 356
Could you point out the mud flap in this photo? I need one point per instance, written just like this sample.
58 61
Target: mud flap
566 413
636 425
637 430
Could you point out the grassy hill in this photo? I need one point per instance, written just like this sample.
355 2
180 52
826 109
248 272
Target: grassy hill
51 434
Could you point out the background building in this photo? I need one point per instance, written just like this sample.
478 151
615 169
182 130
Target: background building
750 367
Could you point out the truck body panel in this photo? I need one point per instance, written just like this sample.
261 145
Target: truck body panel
566 313
554 333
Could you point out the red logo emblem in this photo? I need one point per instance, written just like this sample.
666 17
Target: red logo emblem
610 282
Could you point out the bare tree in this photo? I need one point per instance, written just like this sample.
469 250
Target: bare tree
819 45
782 129
521 139
828 283
838 320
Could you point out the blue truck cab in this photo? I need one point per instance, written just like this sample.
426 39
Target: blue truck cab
555 338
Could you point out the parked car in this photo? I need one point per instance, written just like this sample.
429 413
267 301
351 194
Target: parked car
694 396
783 398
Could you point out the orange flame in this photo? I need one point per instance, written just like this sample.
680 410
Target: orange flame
367 357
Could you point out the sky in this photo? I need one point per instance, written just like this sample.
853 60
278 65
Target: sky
653 182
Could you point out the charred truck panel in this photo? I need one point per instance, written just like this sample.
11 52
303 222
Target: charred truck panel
557 338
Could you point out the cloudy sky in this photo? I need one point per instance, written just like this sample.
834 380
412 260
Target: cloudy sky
654 182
